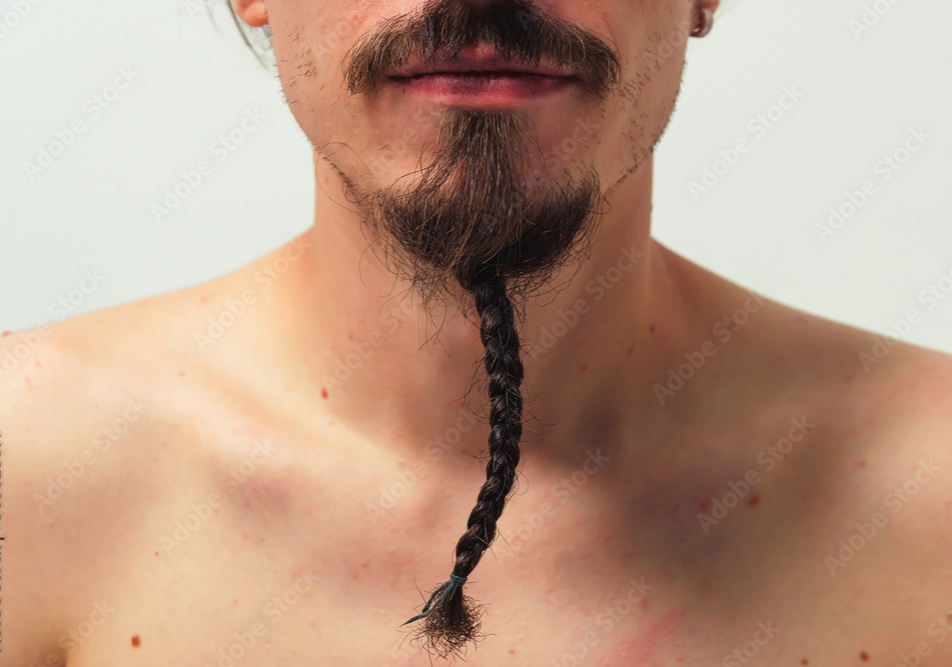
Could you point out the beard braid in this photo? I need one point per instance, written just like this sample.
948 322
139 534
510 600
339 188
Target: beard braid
470 223
471 229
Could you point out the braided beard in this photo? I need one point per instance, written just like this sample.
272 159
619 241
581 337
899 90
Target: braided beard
472 228
471 223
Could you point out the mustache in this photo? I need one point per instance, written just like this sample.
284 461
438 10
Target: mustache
517 30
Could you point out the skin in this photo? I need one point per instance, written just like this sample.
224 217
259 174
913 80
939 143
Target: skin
256 490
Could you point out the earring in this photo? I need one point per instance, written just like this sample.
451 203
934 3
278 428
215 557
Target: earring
707 22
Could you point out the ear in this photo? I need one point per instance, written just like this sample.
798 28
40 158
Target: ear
710 4
252 12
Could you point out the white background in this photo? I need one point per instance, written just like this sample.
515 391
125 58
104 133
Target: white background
862 93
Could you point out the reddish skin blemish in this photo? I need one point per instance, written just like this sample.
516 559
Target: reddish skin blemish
652 328
754 501
848 378
861 464
804 662
584 368
705 505
350 335
156 553
6 333
630 350
512 651
136 641
324 392
864 656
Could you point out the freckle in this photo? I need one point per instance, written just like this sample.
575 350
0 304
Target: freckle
652 328
754 501
136 641
38 365
324 392
584 368
864 656
181 374
804 662
630 350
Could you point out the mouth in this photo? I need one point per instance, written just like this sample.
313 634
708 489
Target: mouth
485 65
483 79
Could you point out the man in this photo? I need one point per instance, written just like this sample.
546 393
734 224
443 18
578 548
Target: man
272 468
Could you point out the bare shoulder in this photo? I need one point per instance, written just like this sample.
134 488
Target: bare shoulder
84 416
870 504
890 545
878 480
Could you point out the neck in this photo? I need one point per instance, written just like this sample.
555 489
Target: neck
595 344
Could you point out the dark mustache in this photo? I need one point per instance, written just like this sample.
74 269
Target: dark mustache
516 29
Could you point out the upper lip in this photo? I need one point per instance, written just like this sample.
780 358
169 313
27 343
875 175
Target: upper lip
477 63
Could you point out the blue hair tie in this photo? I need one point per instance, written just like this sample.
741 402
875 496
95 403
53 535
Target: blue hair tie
444 591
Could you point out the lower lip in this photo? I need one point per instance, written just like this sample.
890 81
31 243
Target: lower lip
484 88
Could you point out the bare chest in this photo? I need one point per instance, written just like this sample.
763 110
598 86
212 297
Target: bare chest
271 561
